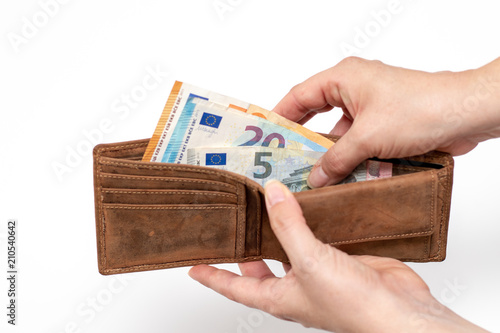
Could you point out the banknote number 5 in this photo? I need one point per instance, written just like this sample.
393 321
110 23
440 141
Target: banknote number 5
267 140
259 162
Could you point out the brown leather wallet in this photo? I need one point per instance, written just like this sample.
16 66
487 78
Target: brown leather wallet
159 215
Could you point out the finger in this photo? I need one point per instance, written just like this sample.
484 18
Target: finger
286 267
338 161
288 223
248 291
342 126
256 269
314 94
308 116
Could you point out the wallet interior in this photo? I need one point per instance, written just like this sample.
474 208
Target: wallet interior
159 215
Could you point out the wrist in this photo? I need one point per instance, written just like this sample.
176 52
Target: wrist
420 313
435 317
479 103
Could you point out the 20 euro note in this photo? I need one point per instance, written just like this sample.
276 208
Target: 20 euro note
261 164
291 125
205 123
178 99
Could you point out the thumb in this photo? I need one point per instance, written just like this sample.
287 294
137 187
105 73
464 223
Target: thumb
288 223
338 162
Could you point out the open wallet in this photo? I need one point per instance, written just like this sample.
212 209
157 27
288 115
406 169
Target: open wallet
159 215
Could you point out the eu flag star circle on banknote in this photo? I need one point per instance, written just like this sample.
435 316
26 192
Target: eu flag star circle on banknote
215 159
210 120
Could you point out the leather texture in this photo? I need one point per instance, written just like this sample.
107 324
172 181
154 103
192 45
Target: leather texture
159 215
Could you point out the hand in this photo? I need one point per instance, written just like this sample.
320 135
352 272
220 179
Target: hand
391 112
328 289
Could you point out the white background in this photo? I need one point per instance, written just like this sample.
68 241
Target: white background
62 78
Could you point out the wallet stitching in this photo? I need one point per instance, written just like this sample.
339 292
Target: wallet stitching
241 223
201 181
380 237
259 224
445 213
102 241
183 207
168 167
185 262
447 207
229 195
129 146
432 212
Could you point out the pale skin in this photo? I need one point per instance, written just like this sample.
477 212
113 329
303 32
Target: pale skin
389 112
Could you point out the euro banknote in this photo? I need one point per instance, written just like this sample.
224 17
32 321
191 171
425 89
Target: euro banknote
289 166
205 123
282 121
179 98
201 127
369 170
261 164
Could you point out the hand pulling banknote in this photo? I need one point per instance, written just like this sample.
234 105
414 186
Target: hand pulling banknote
204 128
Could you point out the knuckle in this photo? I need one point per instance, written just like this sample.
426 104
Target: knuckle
333 164
314 263
308 266
271 307
302 94
351 61
274 303
363 66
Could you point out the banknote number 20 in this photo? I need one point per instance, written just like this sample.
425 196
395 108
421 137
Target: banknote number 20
259 162
267 140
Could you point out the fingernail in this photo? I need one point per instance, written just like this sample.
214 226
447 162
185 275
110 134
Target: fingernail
275 192
317 177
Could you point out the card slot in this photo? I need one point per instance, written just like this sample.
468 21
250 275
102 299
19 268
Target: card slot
154 196
408 209
147 235
113 165
387 209
155 182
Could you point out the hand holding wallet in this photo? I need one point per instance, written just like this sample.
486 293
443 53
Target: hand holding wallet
161 215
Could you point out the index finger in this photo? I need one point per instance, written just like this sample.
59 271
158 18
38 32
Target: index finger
251 291
319 93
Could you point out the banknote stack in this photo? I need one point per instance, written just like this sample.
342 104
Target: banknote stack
200 127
